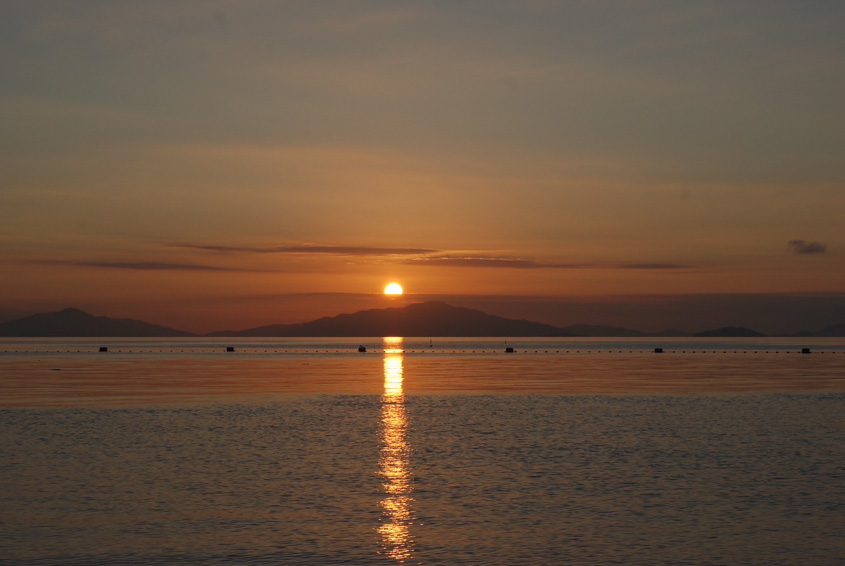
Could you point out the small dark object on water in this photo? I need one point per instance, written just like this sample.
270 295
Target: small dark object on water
658 350
362 349
509 350
104 349
805 350
230 348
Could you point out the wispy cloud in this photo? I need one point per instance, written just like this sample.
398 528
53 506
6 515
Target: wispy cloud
512 263
803 247
309 249
151 266
651 266
423 256
518 263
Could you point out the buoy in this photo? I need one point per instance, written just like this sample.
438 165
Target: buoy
104 349
509 350
362 349
230 348
805 350
658 350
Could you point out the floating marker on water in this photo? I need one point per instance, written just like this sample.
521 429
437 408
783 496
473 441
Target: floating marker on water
104 349
658 350
230 348
805 350
362 349
509 350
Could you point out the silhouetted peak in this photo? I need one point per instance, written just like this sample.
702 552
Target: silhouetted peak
71 311
430 304
431 318
74 322
438 306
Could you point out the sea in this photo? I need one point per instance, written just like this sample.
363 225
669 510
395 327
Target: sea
452 451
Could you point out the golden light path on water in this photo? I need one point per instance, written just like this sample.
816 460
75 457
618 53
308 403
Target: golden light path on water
394 459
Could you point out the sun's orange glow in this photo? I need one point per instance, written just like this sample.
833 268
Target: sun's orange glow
393 289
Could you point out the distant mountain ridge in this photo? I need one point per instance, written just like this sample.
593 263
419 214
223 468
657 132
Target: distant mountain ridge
76 323
430 319
832 331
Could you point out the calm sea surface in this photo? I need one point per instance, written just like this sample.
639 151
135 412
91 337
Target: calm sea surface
451 452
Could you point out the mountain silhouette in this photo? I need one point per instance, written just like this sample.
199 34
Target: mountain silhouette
77 323
832 331
430 319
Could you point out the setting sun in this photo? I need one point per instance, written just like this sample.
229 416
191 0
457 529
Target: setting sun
393 289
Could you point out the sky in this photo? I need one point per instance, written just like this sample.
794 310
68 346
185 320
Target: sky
223 164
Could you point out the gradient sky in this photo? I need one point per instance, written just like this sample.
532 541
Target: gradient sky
224 164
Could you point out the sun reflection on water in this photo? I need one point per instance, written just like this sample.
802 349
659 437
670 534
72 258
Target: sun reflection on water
394 459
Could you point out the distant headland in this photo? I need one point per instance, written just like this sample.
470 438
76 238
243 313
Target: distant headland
428 319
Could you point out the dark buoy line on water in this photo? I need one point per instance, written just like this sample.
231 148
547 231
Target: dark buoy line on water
430 351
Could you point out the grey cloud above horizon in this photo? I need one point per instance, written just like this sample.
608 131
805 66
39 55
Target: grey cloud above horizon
309 249
426 257
419 257
803 247
151 266
517 263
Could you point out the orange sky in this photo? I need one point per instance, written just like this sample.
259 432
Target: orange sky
231 164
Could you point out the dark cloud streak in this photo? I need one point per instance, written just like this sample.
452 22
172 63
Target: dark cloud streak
651 266
516 263
309 249
803 247
513 263
152 266
424 257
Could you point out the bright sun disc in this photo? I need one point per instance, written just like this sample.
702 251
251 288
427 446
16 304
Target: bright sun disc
393 289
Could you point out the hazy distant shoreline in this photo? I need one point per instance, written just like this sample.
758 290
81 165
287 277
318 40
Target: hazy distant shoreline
429 319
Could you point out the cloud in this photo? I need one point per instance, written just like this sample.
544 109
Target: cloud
514 263
518 263
652 266
309 249
151 266
424 256
803 247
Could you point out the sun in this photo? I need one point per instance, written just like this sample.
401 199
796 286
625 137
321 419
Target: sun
393 289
